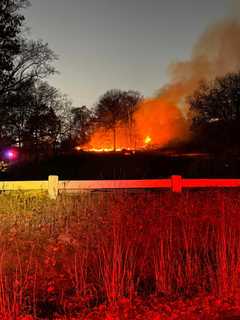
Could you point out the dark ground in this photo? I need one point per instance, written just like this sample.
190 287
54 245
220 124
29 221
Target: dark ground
141 165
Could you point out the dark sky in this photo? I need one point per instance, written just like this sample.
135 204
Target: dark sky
125 44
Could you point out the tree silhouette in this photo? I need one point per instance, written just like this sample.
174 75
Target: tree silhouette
32 63
42 130
21 60
215 110
29 117
23 63
81 122
116 107
14 114
10 28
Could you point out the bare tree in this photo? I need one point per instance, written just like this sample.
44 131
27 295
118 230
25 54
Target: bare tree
34 62
116 107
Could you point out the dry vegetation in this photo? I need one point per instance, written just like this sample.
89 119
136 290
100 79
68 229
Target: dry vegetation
120 255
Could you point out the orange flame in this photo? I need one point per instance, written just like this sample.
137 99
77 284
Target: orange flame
162 121
147 140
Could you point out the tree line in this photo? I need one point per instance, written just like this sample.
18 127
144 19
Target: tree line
214 110
38 118
34 115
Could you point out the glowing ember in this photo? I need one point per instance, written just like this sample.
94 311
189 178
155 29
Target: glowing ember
104 150
101 150
147 140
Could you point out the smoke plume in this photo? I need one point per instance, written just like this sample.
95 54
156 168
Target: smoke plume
215 54
163 119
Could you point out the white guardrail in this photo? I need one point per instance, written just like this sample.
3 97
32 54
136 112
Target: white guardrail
53 186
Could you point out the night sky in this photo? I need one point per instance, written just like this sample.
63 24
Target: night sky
127 44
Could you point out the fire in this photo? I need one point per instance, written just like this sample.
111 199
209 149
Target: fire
104 150
162 118
147 140
163 121
102 140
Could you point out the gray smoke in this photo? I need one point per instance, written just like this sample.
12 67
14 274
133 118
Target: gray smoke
215 54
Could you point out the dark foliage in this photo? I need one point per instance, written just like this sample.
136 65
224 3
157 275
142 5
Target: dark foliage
11 23
215 114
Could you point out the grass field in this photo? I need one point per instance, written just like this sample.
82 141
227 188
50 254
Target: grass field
120 255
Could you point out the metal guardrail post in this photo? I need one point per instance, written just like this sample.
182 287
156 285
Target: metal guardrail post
53 187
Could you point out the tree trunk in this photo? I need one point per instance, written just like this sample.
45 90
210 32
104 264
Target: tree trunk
114 138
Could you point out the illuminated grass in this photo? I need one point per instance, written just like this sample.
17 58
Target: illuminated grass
71 255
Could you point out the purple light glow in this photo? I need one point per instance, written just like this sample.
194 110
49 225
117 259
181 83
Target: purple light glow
10 154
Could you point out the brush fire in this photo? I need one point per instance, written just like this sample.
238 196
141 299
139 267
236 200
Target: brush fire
161 120
155 123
